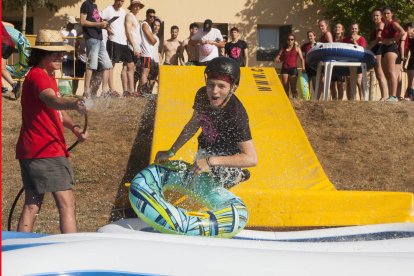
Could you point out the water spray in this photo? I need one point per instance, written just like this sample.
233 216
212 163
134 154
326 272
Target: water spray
89 104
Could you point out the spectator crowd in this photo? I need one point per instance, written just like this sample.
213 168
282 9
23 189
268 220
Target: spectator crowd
117 35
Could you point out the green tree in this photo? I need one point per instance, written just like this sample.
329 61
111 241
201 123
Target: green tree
24 4
359 11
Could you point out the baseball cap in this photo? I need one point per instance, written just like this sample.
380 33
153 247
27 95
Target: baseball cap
207 25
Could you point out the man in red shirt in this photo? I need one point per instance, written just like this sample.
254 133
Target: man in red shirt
41 147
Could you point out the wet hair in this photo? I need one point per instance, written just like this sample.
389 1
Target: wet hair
175 27
37 55
194 25
150 11
234 29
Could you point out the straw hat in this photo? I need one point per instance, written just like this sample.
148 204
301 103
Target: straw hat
51 40
133 2
71 19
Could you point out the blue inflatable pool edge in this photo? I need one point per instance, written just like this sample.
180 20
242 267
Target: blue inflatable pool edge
7 235
338 51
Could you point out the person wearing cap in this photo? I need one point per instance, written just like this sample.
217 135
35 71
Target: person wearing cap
208 39
225 144
133 33
93 24
191 50
236 48
41 147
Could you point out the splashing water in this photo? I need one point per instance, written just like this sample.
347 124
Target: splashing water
89 104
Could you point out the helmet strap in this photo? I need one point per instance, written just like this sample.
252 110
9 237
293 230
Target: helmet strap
231 92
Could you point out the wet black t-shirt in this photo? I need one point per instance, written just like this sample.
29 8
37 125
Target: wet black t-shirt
221 128
236 51
92 14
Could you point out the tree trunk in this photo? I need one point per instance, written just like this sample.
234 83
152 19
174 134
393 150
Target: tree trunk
24 17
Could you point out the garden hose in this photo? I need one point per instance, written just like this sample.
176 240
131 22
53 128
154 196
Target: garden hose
9 221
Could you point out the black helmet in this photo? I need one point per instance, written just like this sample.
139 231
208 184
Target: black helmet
225 66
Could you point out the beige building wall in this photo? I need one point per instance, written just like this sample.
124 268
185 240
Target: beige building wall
245 14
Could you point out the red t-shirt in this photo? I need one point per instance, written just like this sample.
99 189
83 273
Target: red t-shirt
361 41
41 134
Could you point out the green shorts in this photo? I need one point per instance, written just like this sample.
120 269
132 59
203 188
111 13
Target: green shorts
47 174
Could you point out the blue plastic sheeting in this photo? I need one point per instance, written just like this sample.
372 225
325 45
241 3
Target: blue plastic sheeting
7 235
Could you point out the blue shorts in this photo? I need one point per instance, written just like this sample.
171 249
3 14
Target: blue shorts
97 53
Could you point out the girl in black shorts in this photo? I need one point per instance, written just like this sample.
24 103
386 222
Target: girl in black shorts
392 33
375 46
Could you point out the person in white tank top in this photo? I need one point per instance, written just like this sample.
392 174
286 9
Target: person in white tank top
133 33
147 51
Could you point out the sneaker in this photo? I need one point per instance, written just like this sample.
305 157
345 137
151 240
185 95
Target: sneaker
16 90
4 90
392 99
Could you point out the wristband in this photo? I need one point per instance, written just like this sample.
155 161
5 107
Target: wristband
170 153
208 161
73 127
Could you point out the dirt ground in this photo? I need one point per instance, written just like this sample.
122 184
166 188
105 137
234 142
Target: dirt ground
361 145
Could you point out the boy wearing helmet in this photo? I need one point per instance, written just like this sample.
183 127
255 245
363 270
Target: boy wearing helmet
225 145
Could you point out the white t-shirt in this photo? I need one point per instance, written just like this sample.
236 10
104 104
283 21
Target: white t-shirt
207 51
69 40
118 26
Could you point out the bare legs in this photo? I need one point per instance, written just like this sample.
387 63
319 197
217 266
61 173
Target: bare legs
4 73
65 201
143 86
290 82
388 65
130 77
379 74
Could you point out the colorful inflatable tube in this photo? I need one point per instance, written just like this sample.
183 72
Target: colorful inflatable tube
338 51
227 213
21 67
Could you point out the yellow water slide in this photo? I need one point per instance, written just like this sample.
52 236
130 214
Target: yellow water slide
288 188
